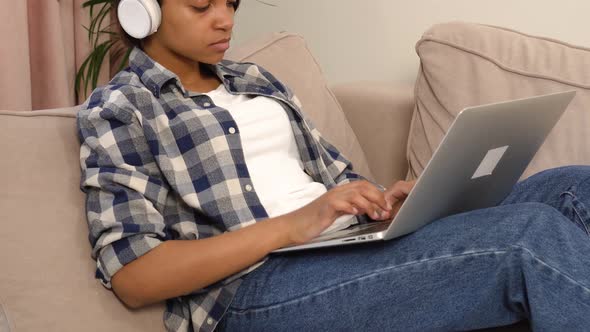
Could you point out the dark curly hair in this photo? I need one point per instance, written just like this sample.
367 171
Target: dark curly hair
130 41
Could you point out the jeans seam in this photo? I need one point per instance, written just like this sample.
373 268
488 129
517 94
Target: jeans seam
365 276
575 198
555 269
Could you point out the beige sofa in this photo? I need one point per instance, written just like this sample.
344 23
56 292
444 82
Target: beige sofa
46 272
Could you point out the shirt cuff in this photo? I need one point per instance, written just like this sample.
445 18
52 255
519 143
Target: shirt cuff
115 255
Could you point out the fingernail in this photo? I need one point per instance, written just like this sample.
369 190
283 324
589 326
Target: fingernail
389 207
376 215
355 211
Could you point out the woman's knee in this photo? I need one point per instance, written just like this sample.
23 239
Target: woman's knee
537 220
496 222
517 218
565 174
547 186
562 180
541 211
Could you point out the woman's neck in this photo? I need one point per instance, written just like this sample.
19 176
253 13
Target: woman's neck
192 74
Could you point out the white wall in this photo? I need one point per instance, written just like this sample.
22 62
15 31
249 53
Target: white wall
374 39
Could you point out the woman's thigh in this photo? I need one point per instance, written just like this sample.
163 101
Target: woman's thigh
479 269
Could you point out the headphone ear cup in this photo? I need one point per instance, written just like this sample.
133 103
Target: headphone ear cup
139 18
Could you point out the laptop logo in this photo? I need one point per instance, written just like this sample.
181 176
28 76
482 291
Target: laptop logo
489 162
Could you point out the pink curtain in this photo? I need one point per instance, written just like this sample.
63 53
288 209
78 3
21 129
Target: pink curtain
43 44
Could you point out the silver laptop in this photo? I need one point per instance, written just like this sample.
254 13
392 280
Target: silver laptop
480 159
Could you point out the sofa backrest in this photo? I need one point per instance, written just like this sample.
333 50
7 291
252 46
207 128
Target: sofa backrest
47 280
464 64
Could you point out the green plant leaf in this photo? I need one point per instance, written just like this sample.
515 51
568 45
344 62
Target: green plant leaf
80 78
88 69
95 23
108 29
93 66
107 32
105 10
90 3
99 59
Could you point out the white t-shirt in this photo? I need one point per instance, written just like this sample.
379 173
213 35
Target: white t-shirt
271 154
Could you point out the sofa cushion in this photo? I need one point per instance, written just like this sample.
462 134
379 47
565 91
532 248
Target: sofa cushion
287 57
464 64
47 280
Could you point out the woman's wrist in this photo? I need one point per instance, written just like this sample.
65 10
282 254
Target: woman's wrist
283 229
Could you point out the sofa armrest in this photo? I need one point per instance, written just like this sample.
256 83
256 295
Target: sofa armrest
380 115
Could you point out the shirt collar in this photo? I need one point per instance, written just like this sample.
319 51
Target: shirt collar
155 76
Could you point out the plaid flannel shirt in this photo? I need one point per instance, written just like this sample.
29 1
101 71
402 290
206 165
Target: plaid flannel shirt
161 163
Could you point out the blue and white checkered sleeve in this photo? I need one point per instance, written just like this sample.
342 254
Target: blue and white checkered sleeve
125 193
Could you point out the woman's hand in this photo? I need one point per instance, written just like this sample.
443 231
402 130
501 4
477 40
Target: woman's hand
396 194
359 197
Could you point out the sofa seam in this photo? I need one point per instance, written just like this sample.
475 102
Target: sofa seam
543 38
498 63
552 40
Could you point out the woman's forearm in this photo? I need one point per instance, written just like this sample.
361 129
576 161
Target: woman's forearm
178 267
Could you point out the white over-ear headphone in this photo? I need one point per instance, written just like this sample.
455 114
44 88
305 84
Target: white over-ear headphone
139 18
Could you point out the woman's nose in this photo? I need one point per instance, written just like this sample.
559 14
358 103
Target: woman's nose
224 18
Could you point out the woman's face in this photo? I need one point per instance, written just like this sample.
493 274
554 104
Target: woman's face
199 30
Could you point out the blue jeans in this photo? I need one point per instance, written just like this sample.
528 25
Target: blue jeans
528 258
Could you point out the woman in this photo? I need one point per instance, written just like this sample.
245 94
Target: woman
182 206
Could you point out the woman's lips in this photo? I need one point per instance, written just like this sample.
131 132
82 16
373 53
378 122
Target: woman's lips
220 46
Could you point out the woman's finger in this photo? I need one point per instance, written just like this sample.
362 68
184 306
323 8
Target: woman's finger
399 191
374 195
341 206
367 207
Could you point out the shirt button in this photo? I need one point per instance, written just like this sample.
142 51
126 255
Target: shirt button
232 130
206 104
209 320
248 187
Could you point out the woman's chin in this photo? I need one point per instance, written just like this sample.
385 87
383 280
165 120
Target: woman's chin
214 59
